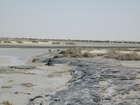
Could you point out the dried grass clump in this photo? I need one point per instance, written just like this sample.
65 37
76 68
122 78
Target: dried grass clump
122 49
1 76
122 56
6 87
111 54
130 56
7 41
138 49
88 55
28 84
50 75
34 41
71 43
73 52
11 81
19 41
55 42
6 103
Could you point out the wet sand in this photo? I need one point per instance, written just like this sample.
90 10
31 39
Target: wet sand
43 79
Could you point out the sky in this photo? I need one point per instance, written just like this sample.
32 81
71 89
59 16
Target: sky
71 19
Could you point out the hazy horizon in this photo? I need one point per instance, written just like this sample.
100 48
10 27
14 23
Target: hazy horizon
71 19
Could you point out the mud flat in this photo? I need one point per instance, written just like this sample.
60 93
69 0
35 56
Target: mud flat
21 80
68 81
96 81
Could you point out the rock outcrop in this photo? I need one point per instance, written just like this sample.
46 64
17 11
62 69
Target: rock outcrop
95 82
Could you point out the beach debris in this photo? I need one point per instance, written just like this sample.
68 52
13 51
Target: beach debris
6 87
7 103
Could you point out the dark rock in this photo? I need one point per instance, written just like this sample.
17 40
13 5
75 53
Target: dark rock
97 82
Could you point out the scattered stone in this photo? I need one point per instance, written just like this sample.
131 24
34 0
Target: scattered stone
6 103
6 87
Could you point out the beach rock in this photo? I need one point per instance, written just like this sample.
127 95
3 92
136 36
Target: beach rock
96 82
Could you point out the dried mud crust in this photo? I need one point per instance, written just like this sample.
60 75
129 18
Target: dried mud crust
95 82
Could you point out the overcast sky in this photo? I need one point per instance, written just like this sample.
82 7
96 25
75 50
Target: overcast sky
71 19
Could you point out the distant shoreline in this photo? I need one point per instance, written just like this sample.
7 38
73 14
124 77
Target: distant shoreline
95 45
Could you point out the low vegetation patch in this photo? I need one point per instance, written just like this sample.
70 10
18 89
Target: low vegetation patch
6 87
122 49
11 81
71 43
55 42
75 53
28 84
34 41
19 41
122 56
50 75
1 76
6 103
7 41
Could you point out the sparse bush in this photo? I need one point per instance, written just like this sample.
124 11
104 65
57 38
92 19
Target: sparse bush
57 56
34 41
70 43
6 103
88 55
75 53
138 49
55 42
111 54
7 41
50 75
122 56
58 50
122 49
50 50
19 41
